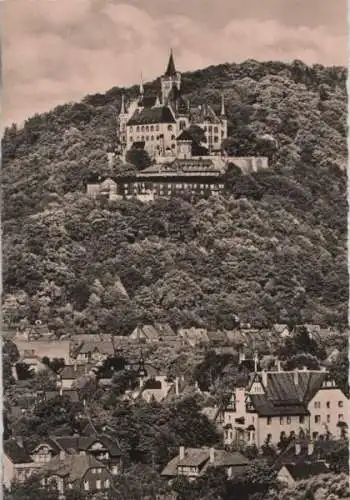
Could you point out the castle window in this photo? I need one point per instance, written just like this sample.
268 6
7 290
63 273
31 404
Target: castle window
281 420
173 146
170 127
152 138
328 418
147 128
216 139
301 419
157 127
131 138
98 484
222 133
328 404
173 138
340 404
340 417
152 128
142 128
269 419
317 404
86 485
289 420
138 128
216 130
147 138
317 419
142 137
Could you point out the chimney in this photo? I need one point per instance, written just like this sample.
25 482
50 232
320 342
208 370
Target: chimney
297 448
212 455
177 390
62 454
182 452
256 361
296 377
241 357
310 448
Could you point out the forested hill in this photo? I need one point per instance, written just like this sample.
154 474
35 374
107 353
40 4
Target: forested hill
271 250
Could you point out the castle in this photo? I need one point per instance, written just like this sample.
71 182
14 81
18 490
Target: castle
159 124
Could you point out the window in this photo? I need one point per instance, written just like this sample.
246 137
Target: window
152 137
281 420
317 404
317 419
107 483
131 138
147 128
147 137
328 404
216 130
340 404
114 469
340 417
98 484
142 128
93 471
170 127
137 128
173 138
269 419
301 419
216 139
289 420
86 485
152 128
328 419
314 435
157 127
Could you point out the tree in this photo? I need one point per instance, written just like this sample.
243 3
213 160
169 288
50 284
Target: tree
139 158
31 489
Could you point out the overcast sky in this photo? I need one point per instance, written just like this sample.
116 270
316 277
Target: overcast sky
56 51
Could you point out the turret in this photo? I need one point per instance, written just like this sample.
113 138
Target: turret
170 79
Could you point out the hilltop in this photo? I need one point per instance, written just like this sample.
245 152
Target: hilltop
273 249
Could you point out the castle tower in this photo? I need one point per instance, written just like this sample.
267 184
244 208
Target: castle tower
170 79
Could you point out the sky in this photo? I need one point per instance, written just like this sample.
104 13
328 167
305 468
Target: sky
56 51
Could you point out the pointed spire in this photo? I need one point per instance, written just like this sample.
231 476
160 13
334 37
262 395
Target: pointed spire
122 110
222 105
141 85
170 71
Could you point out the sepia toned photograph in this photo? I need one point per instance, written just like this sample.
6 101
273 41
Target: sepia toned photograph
174 261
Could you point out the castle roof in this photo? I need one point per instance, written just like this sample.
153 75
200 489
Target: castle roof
204 113
170 71
160 114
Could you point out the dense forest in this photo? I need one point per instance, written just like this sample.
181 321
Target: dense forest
271 249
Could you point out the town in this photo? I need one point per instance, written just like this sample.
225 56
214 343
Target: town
254 402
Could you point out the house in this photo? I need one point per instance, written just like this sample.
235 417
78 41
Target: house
281 330
68 377
101 447
194 336
72 394
303 459
22 458
90 352
289 474
44 348
145 333
82 472
17 463
279 404
217 337
194 462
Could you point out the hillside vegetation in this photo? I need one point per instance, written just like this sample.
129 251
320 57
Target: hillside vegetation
272 249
